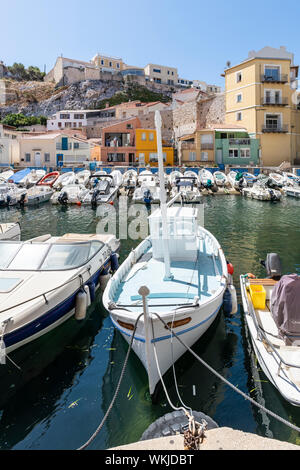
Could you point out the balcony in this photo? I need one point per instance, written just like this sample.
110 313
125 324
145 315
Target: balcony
276 78
188 146
272 101
239 141
207 146
275 128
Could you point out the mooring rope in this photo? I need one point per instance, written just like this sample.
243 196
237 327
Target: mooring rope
244 395
88 442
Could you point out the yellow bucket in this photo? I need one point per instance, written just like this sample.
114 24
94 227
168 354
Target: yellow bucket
258 296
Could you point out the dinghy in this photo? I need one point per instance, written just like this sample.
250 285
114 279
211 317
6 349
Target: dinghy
104 190
276 179
34 177
83 177
46 280
290 178
10 231
206 178
6 174
262 192
117 177
248 179
11 194
173 177
147 193
70 194
179 273
38 194
129 180
49 179
20 177
220 179
271 310
188 189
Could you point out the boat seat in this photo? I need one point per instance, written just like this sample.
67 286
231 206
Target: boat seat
268 325
263 282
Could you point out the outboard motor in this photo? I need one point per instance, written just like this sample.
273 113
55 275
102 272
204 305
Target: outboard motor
147 197
8 199
22 199
94 198
63 198
241 183
273 266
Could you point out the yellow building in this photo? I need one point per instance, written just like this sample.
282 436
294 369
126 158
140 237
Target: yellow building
197 149
108 64
146 148
261 95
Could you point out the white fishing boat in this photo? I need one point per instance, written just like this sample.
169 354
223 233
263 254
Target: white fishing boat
34 177
220 179
290 178
11 194
234 179
38 194
206 178
147 193
6 174
261 192
46 280
103 190
271 312
291 190
146 176
129 181
276 179
191 174
179 273
173 176
70 194
83 177
69 177
117 177
188 189
10 231
248 179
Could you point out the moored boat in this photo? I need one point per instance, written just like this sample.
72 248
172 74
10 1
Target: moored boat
10 231
220 179
64 179
271 311
38 194
46 280
49 179
69 194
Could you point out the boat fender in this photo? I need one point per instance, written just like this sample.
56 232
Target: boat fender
103 280
227 302
230 268
114 262
81 305
88 295
234 304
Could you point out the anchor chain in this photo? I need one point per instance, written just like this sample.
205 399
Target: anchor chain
194 436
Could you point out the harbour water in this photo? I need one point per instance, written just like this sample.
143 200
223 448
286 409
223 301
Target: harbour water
68 377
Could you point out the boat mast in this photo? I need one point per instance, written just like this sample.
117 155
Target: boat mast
163 199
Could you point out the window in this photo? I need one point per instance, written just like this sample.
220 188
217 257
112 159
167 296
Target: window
239 77
47 157
233 153
129 126
204 156
118 65
27 157
272 121
68 124
157 70
144 137
239 98
102 62
154 158
110 64
192 156
245 153
78 116
59 124
168 72
65 116
207 139
272 72
76 145
239 116
151 136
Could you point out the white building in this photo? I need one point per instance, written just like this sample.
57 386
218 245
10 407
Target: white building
9 145
71 119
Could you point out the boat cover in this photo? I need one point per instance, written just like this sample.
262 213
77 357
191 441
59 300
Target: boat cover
285 308
17 177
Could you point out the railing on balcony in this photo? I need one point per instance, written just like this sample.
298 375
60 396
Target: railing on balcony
275 78
272 101
239 141
188 146
207 146
275 128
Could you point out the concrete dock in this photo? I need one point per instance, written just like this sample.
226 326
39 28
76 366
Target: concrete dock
216 439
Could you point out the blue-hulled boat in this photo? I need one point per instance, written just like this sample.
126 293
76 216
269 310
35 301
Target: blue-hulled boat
46 280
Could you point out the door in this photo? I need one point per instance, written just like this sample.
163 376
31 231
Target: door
37 159
219 156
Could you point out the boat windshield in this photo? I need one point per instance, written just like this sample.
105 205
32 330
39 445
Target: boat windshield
46 256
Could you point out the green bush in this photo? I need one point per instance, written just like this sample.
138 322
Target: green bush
19 120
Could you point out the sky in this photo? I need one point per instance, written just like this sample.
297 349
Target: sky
198 37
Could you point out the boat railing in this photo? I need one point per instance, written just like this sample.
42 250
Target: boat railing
261 336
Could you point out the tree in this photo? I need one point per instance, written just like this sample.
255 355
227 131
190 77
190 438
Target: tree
35 74
18 71
19 120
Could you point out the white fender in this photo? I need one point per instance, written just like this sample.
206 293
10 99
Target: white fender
81 305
